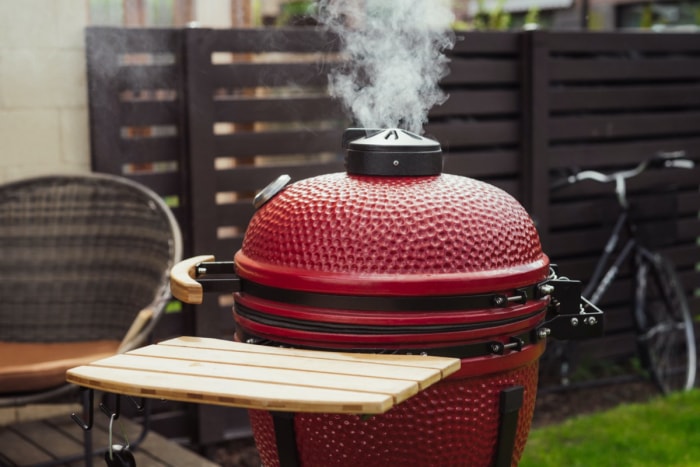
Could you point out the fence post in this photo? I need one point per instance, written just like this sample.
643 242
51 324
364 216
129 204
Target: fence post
201 150
535 129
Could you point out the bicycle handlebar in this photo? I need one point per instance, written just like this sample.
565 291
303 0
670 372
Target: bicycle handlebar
662 159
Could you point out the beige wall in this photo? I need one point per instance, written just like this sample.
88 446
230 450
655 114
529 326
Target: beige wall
43 96
43 87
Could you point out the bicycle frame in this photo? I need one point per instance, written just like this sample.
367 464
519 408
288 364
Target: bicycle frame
597 286
602 278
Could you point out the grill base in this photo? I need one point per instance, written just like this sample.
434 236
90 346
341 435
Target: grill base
453 423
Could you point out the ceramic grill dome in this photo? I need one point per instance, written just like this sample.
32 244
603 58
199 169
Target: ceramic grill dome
395 256
358 234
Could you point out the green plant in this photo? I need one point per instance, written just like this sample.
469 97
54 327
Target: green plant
295 11
497 19
532 16
647 19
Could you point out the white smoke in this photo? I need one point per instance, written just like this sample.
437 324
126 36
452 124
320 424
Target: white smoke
395 58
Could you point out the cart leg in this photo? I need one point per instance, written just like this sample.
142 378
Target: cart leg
511 402
286 439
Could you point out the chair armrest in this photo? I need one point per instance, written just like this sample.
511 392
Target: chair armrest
139 323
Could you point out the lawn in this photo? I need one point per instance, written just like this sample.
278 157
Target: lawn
663 432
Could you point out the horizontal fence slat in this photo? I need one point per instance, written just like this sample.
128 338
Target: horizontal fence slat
684 257
624 69
237 214
165 184
278 142
248 179
481 71
627 153
150 113
151 149
454 134
146 77
689 228
134 40
256 109
623 98
226 247
587 211
592 240
624 126
606 42
482 163
485 42
269 74
577 242
509 185
277 40
483 102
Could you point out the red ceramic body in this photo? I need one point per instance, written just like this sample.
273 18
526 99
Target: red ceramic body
423 237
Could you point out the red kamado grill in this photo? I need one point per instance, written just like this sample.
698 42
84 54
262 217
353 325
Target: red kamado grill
394 256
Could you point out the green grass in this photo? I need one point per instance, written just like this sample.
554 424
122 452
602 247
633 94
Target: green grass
663 432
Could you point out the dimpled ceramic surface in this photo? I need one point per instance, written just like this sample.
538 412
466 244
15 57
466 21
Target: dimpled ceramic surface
453 423
404 225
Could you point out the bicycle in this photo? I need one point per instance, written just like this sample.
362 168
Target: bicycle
663 323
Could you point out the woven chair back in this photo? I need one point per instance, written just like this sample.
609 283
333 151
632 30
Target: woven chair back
80 256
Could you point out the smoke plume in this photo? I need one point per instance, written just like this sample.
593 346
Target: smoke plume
395 58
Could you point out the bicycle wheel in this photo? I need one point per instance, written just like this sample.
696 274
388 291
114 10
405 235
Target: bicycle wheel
666 336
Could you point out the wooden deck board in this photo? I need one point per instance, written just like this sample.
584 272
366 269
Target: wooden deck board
30 443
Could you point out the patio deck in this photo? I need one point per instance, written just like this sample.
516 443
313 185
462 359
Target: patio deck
34 440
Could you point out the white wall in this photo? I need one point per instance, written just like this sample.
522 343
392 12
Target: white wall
213 13
43 91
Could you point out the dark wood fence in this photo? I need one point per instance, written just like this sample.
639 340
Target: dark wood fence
614 100
233 109
138 129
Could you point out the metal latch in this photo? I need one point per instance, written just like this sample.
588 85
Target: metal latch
567 318
515 344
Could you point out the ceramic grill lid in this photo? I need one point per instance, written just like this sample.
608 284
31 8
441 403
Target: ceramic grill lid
393 225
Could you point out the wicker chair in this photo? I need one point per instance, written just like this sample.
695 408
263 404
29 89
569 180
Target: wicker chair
84 263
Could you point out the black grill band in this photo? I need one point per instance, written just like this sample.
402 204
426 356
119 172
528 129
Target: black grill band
389 303
472 350
367 329
221 277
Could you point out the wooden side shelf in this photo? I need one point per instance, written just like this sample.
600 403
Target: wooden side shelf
213 371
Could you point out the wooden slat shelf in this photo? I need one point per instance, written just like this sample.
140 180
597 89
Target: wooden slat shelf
213 371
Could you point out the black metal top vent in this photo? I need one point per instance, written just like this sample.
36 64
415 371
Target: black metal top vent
390 152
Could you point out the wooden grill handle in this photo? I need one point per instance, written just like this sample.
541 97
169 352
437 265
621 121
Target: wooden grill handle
183 284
